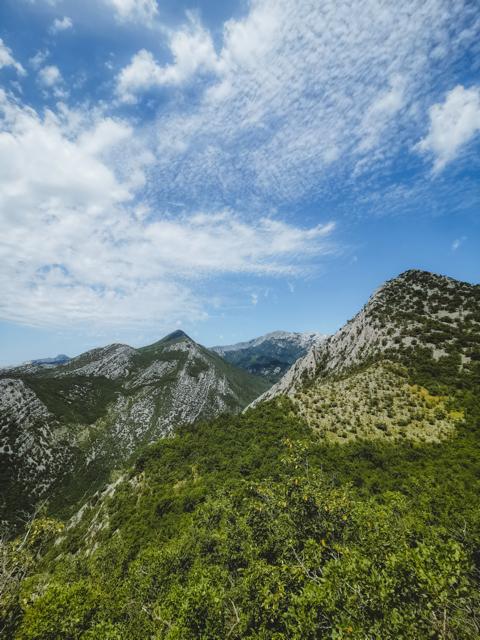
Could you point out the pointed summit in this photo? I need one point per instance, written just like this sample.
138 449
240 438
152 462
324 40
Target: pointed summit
176 335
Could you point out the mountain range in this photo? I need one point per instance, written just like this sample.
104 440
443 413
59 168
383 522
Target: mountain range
270 355
341 501
66 424
72 424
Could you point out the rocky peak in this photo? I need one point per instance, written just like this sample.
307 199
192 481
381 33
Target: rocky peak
177 335
417 309
270 355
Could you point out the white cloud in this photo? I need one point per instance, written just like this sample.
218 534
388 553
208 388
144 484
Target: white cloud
378 115
51 80
7 59
192 51
297 93
453 124
77 246
39 58
142 11
62 24
49 76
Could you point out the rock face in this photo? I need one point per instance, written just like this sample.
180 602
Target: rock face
86 417
31 447
112 362
417 314
270 355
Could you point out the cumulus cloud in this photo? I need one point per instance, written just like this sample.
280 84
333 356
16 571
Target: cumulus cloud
78 246
49 76
62 24
453 123
39 58
142 11
51 81
7 59
192 52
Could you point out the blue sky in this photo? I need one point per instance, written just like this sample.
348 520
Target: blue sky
229 167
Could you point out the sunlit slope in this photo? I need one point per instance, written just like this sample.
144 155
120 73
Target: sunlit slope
377 402
425 322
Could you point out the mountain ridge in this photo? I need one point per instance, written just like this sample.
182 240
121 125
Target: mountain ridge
404 311
270 355
89 415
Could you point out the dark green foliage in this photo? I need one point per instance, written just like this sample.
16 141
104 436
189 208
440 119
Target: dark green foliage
250 527
74 399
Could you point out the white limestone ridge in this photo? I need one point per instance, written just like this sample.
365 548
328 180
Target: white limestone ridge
382 325
302 339
113 362
103 405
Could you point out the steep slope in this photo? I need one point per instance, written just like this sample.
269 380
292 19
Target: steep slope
72 424
423 321
349 509
378 402
270 355
252 527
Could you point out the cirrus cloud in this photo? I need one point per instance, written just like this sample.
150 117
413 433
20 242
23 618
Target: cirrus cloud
296 95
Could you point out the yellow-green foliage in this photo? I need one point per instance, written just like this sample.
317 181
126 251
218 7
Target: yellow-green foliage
378 402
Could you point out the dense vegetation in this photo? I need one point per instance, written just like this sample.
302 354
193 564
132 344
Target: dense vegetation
259 527
252 527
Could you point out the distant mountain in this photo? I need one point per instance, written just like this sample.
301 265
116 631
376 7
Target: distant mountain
365 380
60 359
270 355
72 424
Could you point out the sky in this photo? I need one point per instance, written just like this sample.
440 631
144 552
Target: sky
229 168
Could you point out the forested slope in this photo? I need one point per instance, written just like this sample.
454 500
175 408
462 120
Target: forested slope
266 525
